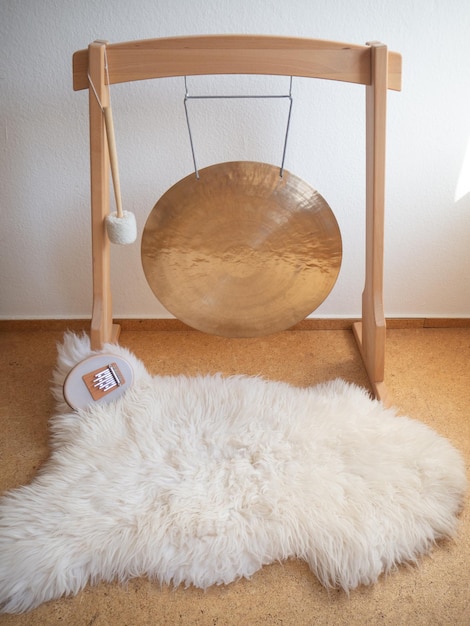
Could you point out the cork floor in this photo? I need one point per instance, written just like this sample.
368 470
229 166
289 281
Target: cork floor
428 377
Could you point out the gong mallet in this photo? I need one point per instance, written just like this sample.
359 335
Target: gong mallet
120 225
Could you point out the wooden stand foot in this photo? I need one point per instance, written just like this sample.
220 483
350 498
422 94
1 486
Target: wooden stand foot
378 387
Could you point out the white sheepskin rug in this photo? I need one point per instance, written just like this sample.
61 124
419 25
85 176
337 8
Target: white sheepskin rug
200 481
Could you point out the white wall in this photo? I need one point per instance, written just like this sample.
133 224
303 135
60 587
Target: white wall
44 168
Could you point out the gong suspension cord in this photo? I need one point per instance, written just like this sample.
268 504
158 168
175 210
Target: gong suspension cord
221 97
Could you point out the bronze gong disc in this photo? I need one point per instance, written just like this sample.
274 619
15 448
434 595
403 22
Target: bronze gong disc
241 251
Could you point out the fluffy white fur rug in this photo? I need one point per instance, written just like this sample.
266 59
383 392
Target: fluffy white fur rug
203 480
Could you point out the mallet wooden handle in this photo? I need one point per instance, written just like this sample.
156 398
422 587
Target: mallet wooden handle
108 119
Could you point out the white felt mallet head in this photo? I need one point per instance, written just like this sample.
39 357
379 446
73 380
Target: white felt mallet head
120 225
121 230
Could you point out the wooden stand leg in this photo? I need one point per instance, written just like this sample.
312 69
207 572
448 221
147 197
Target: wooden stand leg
102 328
370 333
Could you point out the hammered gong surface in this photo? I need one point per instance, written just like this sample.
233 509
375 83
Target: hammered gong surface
241 251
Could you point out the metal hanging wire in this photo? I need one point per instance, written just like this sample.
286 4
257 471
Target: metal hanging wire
187 97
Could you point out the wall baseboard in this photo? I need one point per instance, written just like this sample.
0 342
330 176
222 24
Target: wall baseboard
78 325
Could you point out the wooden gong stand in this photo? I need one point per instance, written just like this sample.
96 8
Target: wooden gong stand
371 65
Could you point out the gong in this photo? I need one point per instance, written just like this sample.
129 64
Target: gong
241 251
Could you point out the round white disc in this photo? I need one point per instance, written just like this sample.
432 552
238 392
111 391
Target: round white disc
93 381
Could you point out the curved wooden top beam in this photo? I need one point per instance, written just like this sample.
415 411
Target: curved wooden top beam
237 54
